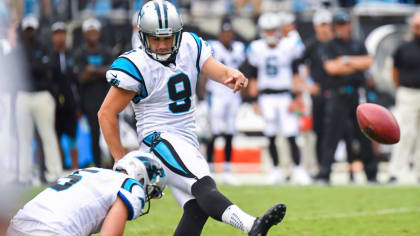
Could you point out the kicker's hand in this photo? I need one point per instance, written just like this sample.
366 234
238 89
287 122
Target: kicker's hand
236 80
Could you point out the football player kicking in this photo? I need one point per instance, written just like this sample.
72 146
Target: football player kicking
161 80
93 200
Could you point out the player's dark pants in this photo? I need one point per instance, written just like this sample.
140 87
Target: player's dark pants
339 109
91 112
318 111
228 147
95 133
318 115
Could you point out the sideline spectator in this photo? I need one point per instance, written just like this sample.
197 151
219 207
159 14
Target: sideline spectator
60 69
407 82
345 60
36 107
91 63
317 83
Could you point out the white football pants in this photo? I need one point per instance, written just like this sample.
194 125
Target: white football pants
408 117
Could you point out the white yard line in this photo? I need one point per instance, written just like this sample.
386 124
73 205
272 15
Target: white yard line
356 214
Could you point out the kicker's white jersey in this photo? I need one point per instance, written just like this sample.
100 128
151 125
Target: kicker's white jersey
77 204
165 94
232 58
274 64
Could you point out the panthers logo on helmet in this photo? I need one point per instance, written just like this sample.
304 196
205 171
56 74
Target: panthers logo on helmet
142 167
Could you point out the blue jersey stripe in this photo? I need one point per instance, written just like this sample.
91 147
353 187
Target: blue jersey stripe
125 65
164 151
167 154
128 204
198 41
148 139
129 184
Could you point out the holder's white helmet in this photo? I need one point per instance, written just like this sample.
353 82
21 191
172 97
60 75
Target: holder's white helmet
160 18
142 167
269 21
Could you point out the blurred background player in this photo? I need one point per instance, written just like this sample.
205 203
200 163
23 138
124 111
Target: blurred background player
289 32
345 60
135 37
271 61
406 79
93 200
60 69
223 103
91 62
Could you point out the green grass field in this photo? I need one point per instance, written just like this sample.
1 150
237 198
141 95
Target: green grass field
316 210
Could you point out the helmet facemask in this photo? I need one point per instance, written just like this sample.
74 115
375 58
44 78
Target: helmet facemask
170 56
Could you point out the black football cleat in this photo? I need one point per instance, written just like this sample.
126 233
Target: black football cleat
272 217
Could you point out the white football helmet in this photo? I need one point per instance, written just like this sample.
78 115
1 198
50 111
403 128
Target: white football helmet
142 167
160 18
269 21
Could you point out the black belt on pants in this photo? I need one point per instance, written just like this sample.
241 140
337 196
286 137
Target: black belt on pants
274 91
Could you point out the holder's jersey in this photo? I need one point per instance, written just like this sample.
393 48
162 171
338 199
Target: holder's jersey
274 64
165 94
78 204
232 58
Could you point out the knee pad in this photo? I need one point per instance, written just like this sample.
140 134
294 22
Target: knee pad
210 200
203 186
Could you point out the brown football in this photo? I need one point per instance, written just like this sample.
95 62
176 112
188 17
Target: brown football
378 123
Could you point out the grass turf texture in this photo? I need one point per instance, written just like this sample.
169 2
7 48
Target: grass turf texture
315 210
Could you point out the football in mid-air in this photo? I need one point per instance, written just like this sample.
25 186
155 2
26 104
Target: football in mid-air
378 123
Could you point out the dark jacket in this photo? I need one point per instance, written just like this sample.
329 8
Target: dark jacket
63 79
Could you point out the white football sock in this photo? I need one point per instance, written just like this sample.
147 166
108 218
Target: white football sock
234 216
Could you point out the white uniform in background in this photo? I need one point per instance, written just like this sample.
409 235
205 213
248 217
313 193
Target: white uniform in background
224 103
274 82
77 205
135 40
135 36
164 109
295 41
